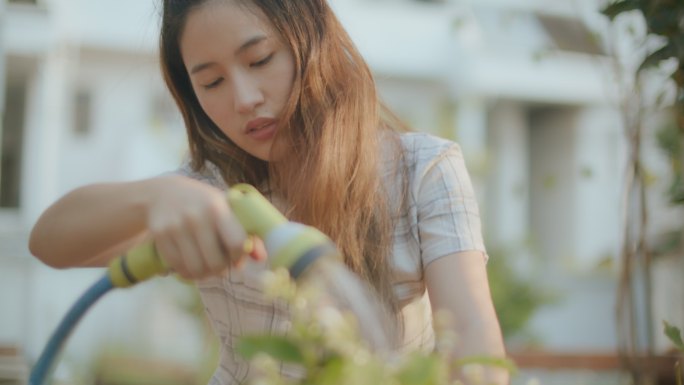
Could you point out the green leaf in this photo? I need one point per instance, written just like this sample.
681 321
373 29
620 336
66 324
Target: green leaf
665 52
678 41
621 6
278 347
672 332
663 19
668 139
331 372
423 370
676 190
498 362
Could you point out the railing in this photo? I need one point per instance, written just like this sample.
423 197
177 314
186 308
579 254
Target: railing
34 2
661 369
13 367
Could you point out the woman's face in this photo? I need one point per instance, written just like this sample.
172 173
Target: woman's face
240 70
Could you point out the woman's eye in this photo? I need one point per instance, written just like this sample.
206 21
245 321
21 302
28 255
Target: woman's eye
213 84
262 62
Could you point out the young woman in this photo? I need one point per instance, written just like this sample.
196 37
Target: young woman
275 94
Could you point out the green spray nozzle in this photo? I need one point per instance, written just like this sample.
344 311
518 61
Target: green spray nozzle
286 242
138 264
256 214
289 244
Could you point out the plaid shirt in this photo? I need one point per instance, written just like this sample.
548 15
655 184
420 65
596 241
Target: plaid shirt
442 219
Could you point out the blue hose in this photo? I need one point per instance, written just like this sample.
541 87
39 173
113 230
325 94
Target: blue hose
44 365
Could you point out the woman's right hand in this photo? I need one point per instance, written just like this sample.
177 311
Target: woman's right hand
194 230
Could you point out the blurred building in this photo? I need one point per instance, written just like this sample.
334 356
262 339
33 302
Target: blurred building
84 102
524 86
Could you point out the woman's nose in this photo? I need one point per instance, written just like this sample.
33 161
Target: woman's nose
248 95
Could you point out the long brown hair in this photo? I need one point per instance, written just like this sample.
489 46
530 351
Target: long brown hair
328 151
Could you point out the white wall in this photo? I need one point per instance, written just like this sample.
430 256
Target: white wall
599 185
15 289
577 172
123 89
583 317
420 103
507 206
408 39
552 177
28 32
127 25
576 175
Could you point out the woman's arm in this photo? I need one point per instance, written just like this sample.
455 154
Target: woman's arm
457 285
189 221
89 221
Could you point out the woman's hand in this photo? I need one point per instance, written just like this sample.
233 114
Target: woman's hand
194 230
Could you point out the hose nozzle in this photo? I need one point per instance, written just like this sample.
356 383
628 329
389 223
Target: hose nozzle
139 264
288 244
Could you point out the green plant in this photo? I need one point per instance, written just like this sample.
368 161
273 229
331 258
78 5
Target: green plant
663 43
670 141
675 337
663 20
664 25
323 343
515 298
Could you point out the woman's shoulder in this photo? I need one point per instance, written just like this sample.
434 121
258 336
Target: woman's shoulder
209 173
420 154
422 150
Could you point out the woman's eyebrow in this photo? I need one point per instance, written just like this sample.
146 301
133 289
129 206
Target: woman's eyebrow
245 46
250 43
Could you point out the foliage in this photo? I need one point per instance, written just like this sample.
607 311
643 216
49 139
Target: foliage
663 18
675 337
664 21
670 140
515 299
323 344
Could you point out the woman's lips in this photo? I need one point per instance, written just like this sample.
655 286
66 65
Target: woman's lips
261 129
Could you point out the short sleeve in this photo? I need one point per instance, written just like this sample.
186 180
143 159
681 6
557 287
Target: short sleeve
447 210
209 175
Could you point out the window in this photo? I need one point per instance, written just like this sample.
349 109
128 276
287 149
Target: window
82 112
12 139
571 35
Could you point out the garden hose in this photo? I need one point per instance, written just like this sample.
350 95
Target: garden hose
44 364
289 244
